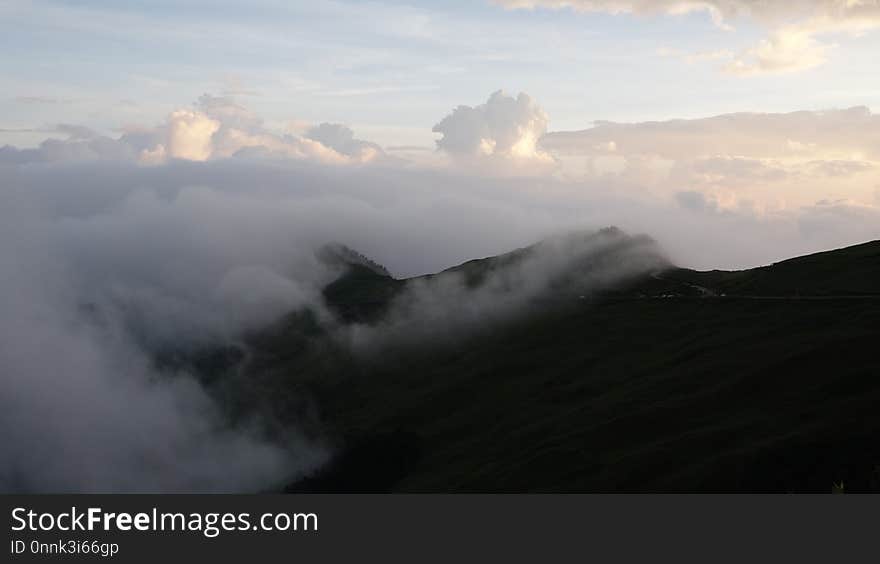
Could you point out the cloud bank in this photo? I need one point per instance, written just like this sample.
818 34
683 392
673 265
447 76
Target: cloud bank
769 162
767 168
82 406
216 127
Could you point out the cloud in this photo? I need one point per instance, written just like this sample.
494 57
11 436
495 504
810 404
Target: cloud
746 161
76 131
741 184
189 135
504 127
40 100
759 135
797 28
802 45
768 160
228 112
75 149
828 218
841 168
695 201
460 302
787 50
723 12
728 169
96 415
341 139
217 127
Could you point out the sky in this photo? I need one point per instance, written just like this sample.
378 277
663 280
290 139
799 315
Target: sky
170 171
796 81
389 69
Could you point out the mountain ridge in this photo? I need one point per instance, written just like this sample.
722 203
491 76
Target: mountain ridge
651 385
852 271
658 388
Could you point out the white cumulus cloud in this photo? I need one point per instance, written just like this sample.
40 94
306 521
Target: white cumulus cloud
504 126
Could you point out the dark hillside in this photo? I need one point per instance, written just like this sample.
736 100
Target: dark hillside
637 395
853 271
762 380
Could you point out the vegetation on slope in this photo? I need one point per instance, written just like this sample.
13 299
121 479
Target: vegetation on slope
676 380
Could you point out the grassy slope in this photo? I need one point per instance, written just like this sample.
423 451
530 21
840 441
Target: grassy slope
627 393
635 396
850 271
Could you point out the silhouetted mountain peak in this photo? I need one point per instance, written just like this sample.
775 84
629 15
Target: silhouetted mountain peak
339 254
